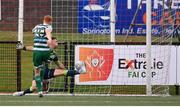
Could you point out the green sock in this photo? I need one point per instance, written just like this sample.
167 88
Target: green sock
65 72
31 89
38 83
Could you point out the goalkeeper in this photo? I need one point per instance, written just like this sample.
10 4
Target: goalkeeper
47 73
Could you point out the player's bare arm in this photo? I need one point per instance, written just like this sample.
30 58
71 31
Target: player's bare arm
28 48
49 36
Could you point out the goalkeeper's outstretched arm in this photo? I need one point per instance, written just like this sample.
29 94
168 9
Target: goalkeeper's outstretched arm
21 46
28 48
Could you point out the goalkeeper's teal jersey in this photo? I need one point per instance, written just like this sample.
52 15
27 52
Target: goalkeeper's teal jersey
52 58
40 39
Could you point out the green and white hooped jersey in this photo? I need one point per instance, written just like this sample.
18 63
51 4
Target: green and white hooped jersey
40 39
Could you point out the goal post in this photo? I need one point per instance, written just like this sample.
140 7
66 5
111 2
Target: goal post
21 21
112 19
148 46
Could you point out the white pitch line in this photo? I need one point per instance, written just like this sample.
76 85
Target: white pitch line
141 102
55 101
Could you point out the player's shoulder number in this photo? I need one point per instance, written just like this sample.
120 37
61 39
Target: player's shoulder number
39 31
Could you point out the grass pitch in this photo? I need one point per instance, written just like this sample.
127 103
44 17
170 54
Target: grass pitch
89 101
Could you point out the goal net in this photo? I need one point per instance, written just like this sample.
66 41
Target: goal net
86 23
9 67
116 68
164 22
10 63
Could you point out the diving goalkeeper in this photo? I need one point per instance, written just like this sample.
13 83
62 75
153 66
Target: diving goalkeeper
47 73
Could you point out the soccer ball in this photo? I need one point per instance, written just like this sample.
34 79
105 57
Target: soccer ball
80 66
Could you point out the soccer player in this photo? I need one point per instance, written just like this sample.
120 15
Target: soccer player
41 51
47 73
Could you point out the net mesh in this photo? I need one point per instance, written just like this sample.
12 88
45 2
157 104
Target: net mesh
92 29
164 21
9 76
82 22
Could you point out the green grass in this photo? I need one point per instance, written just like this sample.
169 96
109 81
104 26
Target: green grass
89 101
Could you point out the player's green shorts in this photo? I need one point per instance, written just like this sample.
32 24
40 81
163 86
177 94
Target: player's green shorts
39 57
42 74
45 73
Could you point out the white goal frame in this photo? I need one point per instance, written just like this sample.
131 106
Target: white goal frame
148 47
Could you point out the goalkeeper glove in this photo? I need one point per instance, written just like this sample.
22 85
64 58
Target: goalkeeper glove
20 46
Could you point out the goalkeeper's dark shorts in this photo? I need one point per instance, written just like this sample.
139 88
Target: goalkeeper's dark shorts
46 74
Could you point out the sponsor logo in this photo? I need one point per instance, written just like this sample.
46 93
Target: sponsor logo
135 64
95 15
136 68
98 63
156 4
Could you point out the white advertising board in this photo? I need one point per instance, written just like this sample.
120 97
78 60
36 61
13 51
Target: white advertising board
126 65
